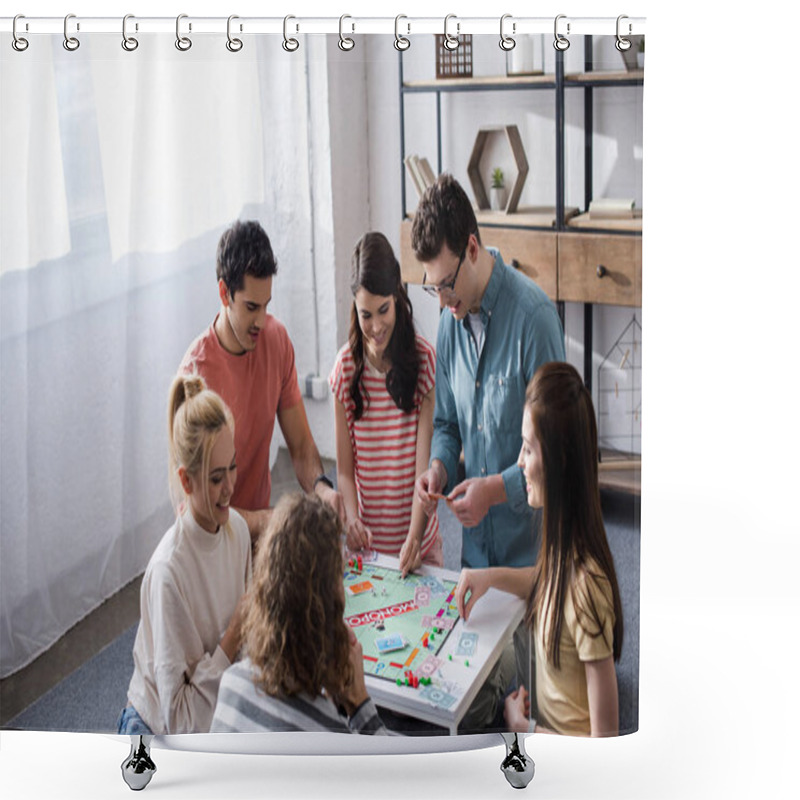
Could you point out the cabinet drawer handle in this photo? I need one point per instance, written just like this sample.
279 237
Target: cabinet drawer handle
601 271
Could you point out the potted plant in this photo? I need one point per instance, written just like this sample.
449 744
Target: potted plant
497 194
640 54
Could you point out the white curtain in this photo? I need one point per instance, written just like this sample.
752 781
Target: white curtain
119 172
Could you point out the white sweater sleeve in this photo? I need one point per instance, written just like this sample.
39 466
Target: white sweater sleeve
187 678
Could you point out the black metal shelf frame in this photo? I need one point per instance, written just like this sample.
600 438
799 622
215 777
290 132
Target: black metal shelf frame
558 85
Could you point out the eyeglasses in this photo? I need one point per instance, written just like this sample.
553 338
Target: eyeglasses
435 291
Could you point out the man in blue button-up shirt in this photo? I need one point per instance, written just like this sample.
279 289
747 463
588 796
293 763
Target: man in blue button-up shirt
500 328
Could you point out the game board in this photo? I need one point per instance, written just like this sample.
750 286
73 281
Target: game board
401 623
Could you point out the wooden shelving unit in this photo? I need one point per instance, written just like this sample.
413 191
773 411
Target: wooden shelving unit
572 256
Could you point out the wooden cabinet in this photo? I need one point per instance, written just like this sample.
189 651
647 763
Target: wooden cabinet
573 267
600 268
533 252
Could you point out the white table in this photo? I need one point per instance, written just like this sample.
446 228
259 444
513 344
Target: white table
494 618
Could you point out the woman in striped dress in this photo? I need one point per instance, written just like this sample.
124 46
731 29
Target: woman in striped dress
383 385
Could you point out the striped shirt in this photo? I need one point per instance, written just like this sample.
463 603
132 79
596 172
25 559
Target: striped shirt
384 445
244 708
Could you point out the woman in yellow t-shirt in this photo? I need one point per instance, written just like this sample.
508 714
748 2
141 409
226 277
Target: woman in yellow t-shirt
574 609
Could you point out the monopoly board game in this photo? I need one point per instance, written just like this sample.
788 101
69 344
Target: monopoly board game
401 623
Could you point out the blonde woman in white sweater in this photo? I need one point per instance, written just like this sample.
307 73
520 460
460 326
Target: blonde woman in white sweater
191 593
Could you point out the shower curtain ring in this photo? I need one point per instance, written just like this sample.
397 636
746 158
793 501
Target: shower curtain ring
401 42
19 43
561 42
71 43
183 43
233 44
128 42
345 42
450 41
507 42
289 44
622 44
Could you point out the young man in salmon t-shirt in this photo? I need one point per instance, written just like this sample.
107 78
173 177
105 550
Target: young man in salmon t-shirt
246 356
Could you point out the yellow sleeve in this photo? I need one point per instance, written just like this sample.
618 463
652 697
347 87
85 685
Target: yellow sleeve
590 616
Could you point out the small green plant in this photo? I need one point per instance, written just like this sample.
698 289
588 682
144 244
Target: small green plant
498 180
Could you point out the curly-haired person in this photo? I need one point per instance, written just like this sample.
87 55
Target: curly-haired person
303 669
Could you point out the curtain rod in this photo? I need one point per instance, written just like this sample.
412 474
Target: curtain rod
405 26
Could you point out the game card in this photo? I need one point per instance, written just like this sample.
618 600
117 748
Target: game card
434 584
428 666
467 644
422 596
437 697
360 588
388 644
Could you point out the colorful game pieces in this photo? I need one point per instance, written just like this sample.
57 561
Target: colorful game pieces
410 680
356 563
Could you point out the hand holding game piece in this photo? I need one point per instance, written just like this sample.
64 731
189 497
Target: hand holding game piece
432 481
476 583
471 500
359 536
410 554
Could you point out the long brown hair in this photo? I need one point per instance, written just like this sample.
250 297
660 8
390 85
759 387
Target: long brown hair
573 534
375 268
293 627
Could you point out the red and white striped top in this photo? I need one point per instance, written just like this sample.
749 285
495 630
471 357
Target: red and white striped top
384 444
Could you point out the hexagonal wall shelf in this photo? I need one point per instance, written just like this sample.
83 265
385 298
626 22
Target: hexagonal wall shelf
511 133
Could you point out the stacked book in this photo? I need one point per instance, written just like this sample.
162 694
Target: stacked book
611 208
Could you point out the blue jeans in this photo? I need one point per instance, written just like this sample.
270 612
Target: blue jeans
131 723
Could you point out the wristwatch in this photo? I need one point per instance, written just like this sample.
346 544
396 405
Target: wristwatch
323 478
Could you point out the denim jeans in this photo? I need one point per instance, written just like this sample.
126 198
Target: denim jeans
131 723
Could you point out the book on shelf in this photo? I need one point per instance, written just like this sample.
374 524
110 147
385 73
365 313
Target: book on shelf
611 208
427 172
414 174
420 171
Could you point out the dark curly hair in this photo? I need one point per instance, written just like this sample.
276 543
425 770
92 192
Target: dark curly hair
244 249
293 626
444 216
375 268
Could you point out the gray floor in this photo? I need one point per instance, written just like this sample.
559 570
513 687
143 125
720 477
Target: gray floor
80 684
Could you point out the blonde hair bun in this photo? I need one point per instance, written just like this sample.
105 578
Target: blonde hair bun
193 385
